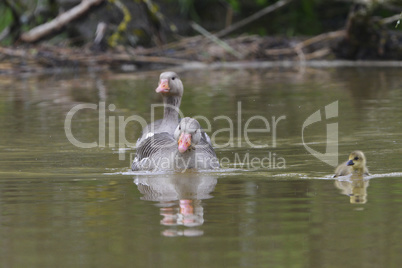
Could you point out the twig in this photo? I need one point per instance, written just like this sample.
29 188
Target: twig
4 33
318 54
133 58
300 53
321 37
253 17
13 52
279 51
392 19
181 43
58 22
216 40
100 33
298 49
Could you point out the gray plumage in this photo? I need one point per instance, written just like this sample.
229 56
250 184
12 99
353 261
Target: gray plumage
161 151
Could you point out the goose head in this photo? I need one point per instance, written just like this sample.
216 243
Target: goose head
187 134
357 161
170 84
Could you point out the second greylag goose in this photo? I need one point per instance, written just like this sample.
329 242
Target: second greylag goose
186 149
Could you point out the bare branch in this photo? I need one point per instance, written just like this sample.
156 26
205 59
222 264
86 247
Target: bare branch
216 40
392 19
253 17
58 22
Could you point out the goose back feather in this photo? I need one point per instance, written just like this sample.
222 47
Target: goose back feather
161 150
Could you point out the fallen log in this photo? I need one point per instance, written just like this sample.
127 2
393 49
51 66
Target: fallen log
45 29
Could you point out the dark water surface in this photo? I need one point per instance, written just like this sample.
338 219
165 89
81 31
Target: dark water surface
269 206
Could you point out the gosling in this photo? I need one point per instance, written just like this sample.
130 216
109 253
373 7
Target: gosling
356 165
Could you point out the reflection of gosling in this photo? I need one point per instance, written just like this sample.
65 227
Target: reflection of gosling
356 189
356 165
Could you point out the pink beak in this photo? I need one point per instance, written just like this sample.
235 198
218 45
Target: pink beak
163 86
184 142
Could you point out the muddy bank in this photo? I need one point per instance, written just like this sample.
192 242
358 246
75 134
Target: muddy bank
198 52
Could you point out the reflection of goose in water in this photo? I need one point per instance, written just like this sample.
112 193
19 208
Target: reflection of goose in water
179 196
355 187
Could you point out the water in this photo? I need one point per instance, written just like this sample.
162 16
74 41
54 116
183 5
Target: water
66 206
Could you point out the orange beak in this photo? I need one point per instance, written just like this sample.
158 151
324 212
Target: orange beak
184 142
163 86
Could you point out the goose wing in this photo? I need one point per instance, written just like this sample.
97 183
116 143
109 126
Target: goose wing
153 146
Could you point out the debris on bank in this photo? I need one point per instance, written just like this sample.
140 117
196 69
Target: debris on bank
363 38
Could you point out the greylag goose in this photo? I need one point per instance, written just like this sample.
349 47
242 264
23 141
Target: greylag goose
186 149
171 88
356 165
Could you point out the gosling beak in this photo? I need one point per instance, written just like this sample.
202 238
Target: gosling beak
184 142
350 163
163 86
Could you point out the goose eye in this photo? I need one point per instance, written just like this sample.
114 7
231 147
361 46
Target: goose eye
173 78
179 127
356 158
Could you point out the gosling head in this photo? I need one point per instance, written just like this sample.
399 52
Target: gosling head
170 84
357 161
187 134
